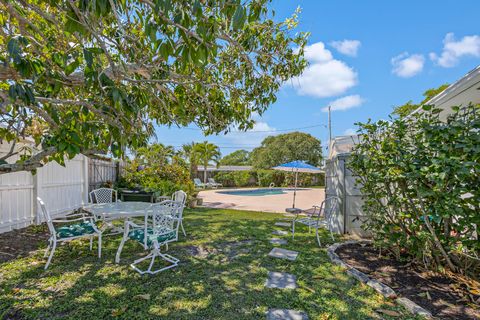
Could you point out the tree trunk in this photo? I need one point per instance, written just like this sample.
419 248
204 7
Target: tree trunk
205 165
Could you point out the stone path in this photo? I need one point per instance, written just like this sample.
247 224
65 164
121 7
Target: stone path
283 224
280 232
284 314
278 241
282 280
283 254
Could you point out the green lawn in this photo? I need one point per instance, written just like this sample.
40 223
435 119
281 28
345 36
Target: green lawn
221 276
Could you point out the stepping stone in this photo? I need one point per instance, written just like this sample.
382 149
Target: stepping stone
283 224
283 254
278 241
281 280
285 314
280 232
289 215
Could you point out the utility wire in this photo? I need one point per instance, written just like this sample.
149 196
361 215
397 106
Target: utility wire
263 131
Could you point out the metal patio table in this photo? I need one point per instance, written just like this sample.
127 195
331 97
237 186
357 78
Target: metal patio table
117 211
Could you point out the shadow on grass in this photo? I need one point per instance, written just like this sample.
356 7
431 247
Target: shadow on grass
225 281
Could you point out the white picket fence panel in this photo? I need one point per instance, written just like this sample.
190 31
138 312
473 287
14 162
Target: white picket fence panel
63 189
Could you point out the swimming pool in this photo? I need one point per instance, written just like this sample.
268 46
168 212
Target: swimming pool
257 192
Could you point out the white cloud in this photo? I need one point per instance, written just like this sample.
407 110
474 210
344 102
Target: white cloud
453 50
347 47
406 65
350 132
345 103
317 53
325 76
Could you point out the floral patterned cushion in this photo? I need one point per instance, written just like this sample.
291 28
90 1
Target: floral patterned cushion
75 230
139 235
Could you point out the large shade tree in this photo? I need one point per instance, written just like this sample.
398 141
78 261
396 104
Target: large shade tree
94 76
287 147
236 158
207 152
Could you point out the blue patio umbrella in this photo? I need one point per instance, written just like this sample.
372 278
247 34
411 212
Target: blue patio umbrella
296 167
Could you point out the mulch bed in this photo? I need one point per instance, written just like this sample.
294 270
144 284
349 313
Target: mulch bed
445 296
20 243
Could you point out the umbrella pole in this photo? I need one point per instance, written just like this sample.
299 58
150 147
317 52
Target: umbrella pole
295 189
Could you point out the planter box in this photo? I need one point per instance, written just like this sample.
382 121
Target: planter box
135 195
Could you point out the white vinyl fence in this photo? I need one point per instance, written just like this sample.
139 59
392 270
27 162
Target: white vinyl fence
63 189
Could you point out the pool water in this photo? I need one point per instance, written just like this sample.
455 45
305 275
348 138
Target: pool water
256 192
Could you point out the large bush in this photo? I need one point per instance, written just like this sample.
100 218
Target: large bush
156 170
267 177
421 177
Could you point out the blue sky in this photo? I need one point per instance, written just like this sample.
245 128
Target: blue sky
395 50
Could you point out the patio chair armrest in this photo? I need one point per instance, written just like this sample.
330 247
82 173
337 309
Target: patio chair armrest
133 225
164 201
70 220
82 214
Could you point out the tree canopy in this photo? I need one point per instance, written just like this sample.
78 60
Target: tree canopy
206 152
407 108
236 158
95 76
282 148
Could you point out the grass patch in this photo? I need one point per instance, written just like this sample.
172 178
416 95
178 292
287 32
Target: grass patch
223 268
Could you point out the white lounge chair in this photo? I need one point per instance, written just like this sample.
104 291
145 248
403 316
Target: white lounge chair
85 229
213 183
161 224
317 219
199 184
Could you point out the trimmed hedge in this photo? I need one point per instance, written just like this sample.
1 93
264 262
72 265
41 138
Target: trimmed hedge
264 178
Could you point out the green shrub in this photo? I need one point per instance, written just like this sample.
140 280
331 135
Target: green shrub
225 178
421 178
266 177
153 173
243 178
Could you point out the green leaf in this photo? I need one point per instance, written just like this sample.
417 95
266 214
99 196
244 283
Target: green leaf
72 67
238 18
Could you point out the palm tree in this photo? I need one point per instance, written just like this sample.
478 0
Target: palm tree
188 153
156 153
207 152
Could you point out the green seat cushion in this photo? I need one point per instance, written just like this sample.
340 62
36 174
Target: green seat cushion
75 230
139 235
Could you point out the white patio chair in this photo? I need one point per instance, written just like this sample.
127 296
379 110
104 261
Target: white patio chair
161 224
317 219
105 195
213 183
181 197
85 229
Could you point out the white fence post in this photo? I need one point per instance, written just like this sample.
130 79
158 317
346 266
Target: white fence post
34 205
85 179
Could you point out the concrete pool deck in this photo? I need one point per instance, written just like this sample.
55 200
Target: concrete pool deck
305 199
